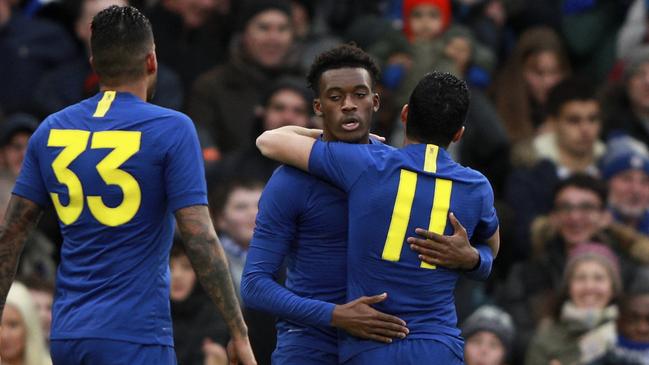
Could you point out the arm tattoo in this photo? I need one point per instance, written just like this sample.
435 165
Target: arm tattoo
21 218
208 259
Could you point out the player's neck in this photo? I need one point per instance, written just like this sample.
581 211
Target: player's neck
138 89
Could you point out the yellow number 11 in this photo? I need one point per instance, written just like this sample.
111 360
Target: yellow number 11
124 144
403 206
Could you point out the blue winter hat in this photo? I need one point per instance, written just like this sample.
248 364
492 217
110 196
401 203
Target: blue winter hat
622 154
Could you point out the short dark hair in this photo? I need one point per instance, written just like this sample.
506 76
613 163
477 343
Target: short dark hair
220 194
38 283
437 108
343 56
121 38
570 89
584 182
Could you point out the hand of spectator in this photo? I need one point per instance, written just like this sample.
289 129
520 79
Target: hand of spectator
214 353
361 320
240 351
453 252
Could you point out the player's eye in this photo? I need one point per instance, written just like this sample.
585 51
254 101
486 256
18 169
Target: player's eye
334 97
361 95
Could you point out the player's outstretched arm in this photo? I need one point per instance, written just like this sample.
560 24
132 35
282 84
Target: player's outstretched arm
208 259
290 145
20 219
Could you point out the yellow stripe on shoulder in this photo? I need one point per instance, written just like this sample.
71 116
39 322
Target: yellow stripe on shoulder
104 104
430 161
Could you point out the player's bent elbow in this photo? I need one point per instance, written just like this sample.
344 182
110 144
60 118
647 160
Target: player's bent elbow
264 143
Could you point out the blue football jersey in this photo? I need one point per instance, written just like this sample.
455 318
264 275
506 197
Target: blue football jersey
116 169
391 192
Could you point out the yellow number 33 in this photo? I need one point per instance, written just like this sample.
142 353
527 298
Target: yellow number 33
124 144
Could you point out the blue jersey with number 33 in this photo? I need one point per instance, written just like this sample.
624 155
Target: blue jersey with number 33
115 169
391 192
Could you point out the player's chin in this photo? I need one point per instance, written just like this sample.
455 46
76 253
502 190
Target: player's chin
353 136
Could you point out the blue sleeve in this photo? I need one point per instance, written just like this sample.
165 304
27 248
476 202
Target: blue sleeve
340 164
485 262
488 223
275 231
30 184
184 168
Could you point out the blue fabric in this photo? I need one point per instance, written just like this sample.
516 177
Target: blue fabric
304 220
370 175
409 352
483 270
297 355
109 352
574 7
113 281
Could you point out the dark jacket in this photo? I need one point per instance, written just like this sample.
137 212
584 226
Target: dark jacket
223 101
195 319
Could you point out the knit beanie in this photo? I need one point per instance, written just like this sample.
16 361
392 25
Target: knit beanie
253 7
490 319
594 251
444 7
624 153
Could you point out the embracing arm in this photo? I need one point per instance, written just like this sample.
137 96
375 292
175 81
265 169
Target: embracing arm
210 264
290 145
21 218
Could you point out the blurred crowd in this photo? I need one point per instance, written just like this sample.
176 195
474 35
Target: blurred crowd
558 122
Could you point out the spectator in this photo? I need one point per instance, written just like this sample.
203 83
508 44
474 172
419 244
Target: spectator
29 47
537 63
223 99
235 209
191 35
22 339
590 30
234 206
626 169
309 41
572 146
625 104
578 215
15 133
438 44
583 325
287 102
75 80
488 335
194 321
632 345
42 293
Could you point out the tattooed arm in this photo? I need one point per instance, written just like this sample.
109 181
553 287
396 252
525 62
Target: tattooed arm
20 219
208 259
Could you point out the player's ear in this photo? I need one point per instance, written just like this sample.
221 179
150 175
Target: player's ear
404 115
376 101
317 107
151 63
92 63
458 135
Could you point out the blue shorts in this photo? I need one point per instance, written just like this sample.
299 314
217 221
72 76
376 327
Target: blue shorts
109 352
298 355
408 352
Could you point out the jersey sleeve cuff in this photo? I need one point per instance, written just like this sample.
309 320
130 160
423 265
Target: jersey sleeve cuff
483 270
24 191
188 200
325 315
315 157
